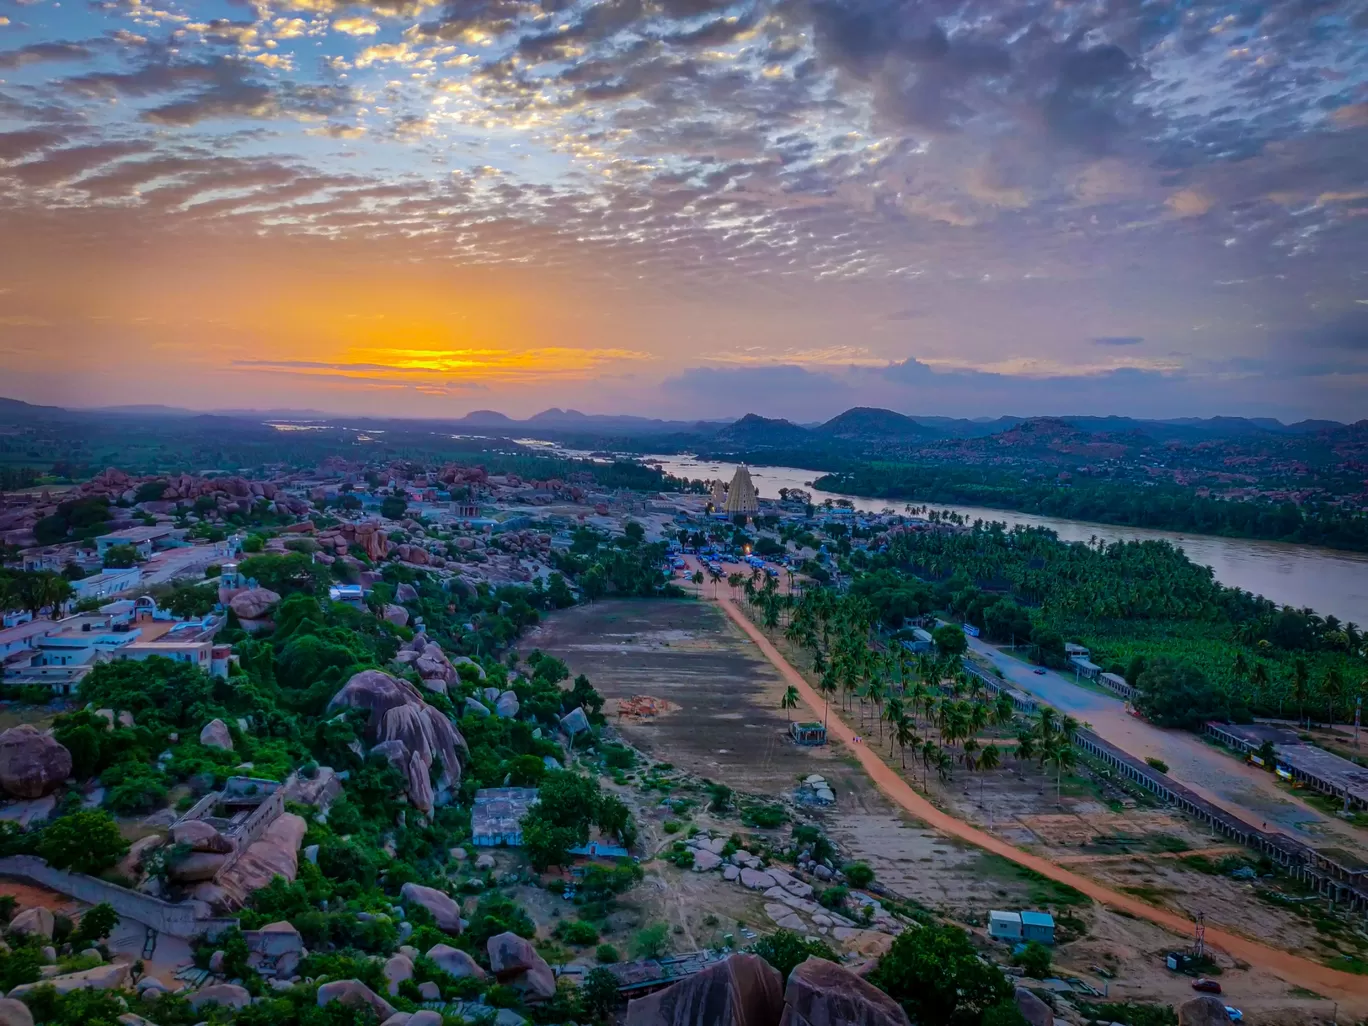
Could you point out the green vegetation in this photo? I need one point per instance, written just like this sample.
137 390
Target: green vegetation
625 566
1194 647
1034 960
936 975
784 949
1163 507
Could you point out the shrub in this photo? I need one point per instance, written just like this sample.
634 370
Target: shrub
834 897
576 932
859 874
764 817
652 942
1034 960
1158 764
607 954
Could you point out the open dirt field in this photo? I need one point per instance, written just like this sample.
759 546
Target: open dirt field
718 717
725 725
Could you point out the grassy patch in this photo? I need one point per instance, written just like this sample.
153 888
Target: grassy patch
1150 894
1043 890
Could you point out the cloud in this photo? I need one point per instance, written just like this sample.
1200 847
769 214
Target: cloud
36 52
356 26
1117 340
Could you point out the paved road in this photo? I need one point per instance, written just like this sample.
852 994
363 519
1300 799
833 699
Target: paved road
1350 990
1233 785
172 563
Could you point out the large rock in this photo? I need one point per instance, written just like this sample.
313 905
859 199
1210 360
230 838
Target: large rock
215 735
515 962
226 995
574 722
31 762
405 593
822 993
1203 1011
396 615
274 853
253 603
445 911
756 880
14 1013
398 713
742 991
201 836
36 921
704 860
1037 1012
196 867
507 706
103 977
354 994
455 962
398 969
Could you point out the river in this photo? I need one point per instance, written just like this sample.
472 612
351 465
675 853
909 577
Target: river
1326 580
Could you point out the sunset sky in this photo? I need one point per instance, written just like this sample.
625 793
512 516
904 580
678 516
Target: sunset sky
687 208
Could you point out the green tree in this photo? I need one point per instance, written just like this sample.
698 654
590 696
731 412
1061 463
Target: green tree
117 557
950 640
1174 693
85 842
1034 960
790 701
393 507
652 941
784 949
937 976
97 924
598 994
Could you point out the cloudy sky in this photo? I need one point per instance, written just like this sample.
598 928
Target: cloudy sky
686 208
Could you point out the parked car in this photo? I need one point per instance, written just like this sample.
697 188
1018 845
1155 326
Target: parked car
1206 986
1235 1014
1038 672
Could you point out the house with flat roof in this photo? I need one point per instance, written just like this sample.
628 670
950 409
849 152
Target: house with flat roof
1004 926
1037 926
1085 667
106 583
143 539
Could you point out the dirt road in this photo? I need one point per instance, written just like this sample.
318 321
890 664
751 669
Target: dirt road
1350 990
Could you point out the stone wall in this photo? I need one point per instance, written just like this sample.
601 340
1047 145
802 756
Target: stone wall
175 918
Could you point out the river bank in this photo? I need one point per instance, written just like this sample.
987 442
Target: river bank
1330 581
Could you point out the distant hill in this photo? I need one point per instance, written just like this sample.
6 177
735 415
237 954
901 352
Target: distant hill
865 424
755 432
16 411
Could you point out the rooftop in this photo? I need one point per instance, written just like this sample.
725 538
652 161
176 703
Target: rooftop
134 535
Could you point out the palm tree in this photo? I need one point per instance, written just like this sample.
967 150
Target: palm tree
826 684
1333 688
1060 753
989 759
1004 712
905 733
930 752
893 711
790 701
1258 679
1300 678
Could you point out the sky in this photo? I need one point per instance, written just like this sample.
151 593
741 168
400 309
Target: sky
687 208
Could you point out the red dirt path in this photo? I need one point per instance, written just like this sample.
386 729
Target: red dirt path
1350 990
